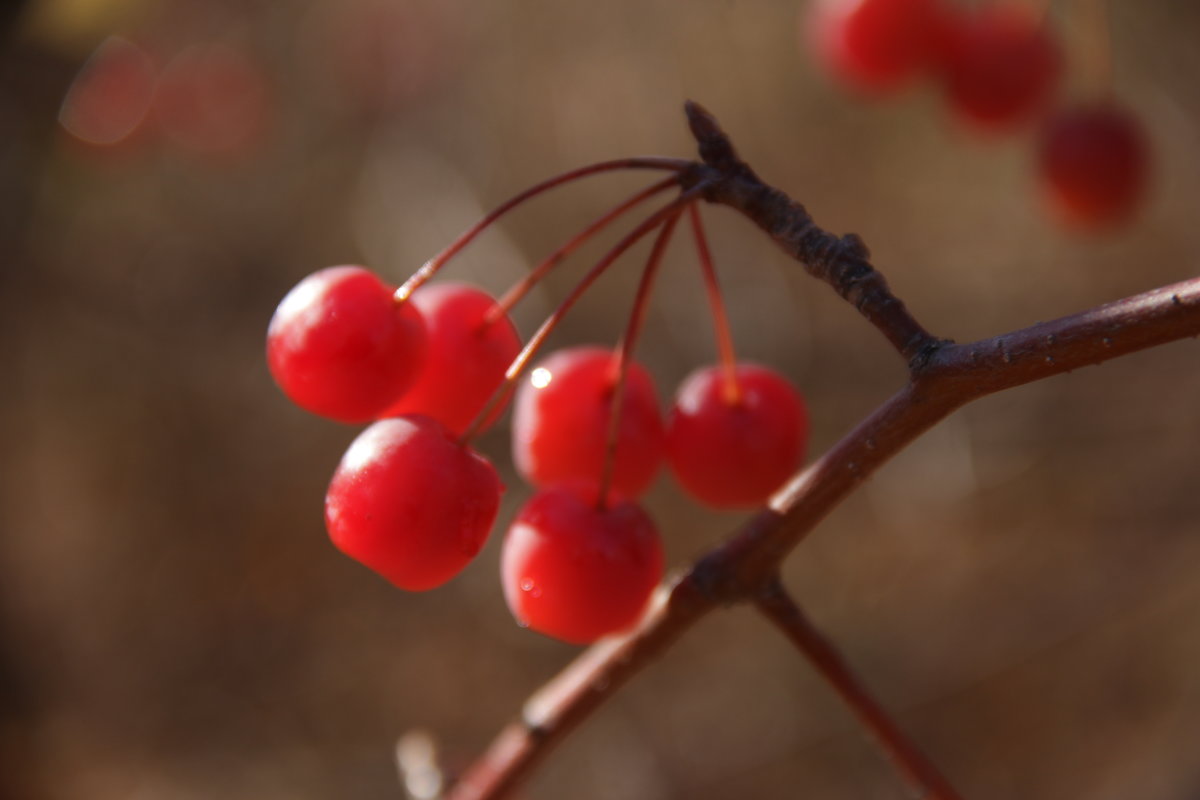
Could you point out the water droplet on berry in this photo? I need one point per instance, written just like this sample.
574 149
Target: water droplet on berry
1107 342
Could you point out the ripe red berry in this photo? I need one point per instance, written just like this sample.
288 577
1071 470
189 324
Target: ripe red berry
1002 66
467 356
734 454
876 45
340 345
412 503
577 572
561 420
1093 161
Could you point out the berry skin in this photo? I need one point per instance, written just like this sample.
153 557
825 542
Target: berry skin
876 45
1093 161
466 359
412 503
576 572
1002 66
340 346
734 455
561 418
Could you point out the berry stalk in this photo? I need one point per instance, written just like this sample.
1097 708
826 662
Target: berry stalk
732 390
522 287
539 337
430 267
624 355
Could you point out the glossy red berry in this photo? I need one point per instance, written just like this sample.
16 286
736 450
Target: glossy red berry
467 356
577 572
340 346
1002 66
876 45
412 503
561 419
731 454
1093 161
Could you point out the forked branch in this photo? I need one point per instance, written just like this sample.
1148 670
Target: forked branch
916 770
943 377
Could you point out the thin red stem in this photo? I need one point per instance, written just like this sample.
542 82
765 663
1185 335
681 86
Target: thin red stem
430 267
916 770
535 342
732 389
624 354
522 287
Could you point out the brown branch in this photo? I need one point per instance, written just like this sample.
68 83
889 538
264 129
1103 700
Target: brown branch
841 261
943 377
778 607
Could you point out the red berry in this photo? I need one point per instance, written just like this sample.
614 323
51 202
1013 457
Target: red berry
876 45
412 503
1094 161
561 419
734 454
1002 66
340 345
467 357
577 572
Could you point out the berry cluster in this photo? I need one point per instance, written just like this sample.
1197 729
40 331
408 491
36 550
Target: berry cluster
430 365
999 66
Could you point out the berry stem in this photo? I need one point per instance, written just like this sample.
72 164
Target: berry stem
915 769
624 353
522 287
539 337
430 267
732 391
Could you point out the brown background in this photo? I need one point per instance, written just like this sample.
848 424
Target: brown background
1022 587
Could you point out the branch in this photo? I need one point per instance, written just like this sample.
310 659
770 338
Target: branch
914 768
842 262
943 377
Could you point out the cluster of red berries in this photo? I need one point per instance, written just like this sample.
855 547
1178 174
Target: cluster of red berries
999 65
431 365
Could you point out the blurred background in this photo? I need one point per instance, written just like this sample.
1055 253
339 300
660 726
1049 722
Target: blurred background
1022 587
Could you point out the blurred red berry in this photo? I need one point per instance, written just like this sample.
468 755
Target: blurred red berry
1002 66
1093 161
467 356
561 419
876 45
577 572
339 345
411 503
